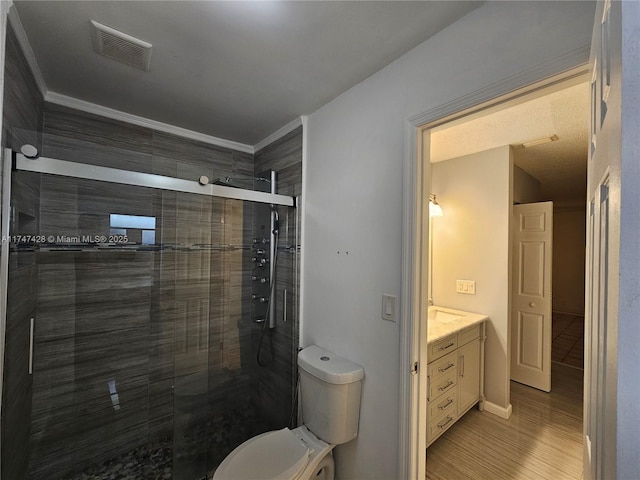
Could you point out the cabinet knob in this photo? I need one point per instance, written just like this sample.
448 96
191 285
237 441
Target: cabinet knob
532 304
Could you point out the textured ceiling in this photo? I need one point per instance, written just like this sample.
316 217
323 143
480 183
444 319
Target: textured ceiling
234 70
560 166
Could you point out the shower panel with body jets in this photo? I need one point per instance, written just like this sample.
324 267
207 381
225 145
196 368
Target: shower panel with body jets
265 261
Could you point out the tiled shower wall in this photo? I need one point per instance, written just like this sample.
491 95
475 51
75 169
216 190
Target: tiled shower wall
275 384
153 325
151 321
22 123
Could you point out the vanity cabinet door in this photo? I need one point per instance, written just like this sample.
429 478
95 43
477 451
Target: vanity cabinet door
468 376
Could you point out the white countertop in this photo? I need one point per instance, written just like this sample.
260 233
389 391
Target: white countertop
438 330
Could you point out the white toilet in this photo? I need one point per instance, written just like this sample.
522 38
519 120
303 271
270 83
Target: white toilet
330 389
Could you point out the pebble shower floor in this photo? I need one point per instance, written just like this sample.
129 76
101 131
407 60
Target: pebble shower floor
154 461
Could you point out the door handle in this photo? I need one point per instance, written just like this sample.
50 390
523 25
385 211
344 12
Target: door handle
31 328
284 305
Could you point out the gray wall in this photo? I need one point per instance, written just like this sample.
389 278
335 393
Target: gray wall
354 148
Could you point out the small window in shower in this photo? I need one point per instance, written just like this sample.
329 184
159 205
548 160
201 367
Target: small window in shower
137 228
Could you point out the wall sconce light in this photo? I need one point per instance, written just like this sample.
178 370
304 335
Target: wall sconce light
435 210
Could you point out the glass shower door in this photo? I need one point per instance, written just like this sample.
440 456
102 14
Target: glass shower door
189 276
144 340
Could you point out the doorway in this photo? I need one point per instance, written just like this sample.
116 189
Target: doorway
428 172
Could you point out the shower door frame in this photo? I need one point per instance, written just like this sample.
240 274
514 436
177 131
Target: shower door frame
5 159
128 177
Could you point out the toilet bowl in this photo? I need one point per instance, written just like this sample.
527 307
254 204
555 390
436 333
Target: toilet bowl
330 388
279 455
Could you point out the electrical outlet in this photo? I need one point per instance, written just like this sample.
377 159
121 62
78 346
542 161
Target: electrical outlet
467 287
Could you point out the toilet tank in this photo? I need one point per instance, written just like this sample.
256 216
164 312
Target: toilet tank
330 388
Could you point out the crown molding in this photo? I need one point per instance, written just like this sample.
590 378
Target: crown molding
82 105
64 100
278 134
23 41
75 103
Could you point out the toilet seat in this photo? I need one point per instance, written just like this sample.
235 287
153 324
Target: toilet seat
277 455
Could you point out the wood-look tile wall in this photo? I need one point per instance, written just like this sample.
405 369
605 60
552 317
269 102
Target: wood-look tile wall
22 123
23 103
93 331
162 316
93 339
143 323
17 384
275 384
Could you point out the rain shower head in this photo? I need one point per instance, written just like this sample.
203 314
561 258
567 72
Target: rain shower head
229 182
225 182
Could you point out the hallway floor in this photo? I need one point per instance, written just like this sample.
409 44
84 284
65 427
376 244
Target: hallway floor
541 440
567 345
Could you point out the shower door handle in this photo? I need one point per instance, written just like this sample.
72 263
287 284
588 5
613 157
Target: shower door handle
31 330
284 305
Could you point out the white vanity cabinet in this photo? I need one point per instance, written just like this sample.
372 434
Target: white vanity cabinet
455 378
468 375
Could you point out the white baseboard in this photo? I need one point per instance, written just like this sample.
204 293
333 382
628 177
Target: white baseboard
497 410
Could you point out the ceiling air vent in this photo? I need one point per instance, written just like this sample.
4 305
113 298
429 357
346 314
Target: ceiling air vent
120 46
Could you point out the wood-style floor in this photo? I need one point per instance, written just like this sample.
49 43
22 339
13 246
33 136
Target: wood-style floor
541 440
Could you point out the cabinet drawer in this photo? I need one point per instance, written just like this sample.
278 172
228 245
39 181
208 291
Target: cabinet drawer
443 366
442 347
443 383
468 334
440 425
447 403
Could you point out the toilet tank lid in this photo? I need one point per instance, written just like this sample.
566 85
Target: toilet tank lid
328 366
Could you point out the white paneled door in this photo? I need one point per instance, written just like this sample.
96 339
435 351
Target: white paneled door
531 295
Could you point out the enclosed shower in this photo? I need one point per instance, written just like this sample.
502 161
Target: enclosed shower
151 311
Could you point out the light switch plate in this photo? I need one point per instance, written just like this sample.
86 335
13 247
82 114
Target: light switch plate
388 307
